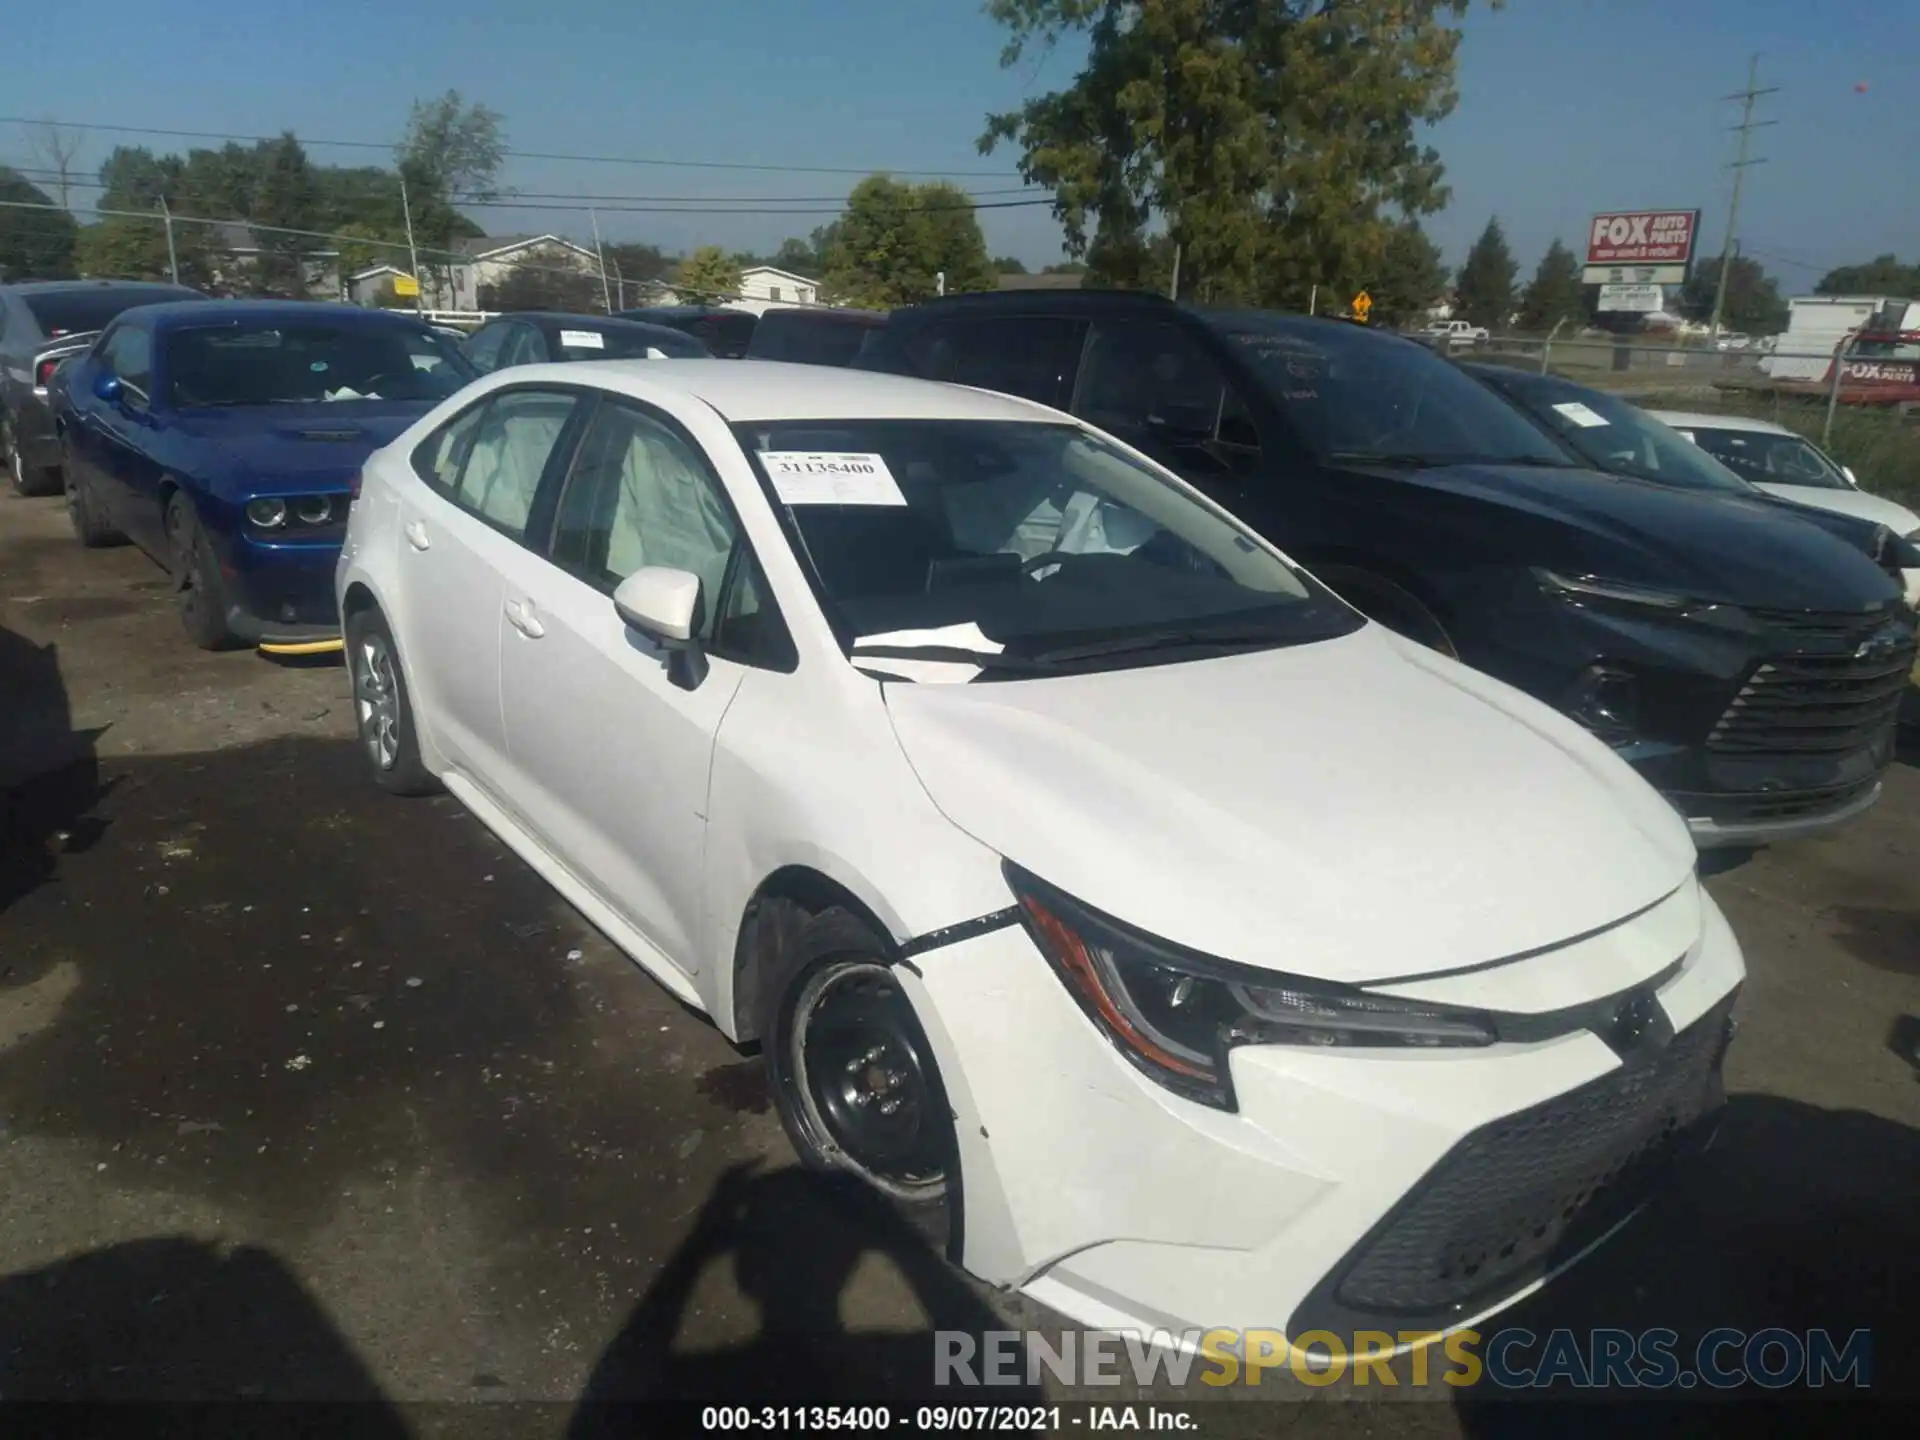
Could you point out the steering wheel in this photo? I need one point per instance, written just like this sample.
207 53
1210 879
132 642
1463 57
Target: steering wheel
373 383
1032 568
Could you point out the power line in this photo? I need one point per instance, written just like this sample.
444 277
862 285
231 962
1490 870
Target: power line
526 154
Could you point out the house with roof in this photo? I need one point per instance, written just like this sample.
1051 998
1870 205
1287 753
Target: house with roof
243 248
482 261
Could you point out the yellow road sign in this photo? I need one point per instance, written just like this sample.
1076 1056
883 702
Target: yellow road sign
405 286
1362 303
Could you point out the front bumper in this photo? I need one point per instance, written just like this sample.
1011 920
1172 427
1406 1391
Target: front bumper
1122 1206
281 594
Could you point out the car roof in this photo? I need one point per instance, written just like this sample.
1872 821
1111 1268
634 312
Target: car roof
841 313
591 322
1689 420
239 312
774 390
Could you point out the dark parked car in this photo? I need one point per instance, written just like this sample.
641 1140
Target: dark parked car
543 337
41 324
814 335
225 438
1746 663
727 333
1617 436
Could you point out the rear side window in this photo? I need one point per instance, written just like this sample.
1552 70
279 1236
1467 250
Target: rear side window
1034 357
438 458
489 460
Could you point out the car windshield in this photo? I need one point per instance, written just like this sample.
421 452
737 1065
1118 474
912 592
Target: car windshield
76 312
1026 540
1767 459
618 342
1614 435
1354 394
309 361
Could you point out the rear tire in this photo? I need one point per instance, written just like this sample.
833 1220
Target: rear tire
31 480
850 1068
1390 604
382 709
90 528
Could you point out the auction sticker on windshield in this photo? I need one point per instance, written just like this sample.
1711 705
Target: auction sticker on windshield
806 477
582 340
1580 415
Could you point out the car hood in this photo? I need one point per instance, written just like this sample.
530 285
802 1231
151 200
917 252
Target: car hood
1353 809
1890 513
285 448
1715 547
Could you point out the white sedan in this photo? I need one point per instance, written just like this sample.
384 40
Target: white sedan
1095 882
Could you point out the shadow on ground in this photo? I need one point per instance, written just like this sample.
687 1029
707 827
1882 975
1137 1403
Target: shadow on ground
1797 1218
49 779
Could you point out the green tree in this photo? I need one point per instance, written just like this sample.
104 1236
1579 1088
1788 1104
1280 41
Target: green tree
544 283
1484 291
1409 278
34 244
1008 265
1753 307
285 198
452 152
1882 275
709 276
896 240
1555 293
1271 141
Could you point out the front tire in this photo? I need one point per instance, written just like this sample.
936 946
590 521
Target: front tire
196 571
382 709
852 1073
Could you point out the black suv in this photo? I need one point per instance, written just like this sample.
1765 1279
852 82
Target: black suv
815 335
43 322
1748 664
725 332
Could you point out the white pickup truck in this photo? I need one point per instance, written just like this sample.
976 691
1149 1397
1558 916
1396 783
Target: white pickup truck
1456 332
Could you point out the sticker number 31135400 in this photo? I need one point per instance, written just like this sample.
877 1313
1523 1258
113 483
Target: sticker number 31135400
809 477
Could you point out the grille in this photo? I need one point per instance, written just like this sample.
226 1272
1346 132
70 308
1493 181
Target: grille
1522 1193
1733 809
1814 705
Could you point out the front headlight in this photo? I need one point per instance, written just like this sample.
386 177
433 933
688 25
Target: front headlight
1584 588
1176 1015
267 514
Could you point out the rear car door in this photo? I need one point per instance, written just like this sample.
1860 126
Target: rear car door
610 756
461 528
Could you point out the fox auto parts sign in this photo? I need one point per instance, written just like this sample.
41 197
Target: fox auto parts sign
1640 247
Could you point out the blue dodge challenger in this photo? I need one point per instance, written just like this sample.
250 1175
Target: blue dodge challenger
225 438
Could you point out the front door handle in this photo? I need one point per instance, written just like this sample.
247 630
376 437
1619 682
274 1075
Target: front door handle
417 535
520 615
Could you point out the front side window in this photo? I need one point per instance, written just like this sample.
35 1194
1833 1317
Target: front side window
524 347
485 346
1355 395
310 362
511 444
128 353
1028 536
621 342
1771 459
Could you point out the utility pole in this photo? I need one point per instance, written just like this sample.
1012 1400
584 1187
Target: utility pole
1746 127
606 295
1175 287
173 259
413 255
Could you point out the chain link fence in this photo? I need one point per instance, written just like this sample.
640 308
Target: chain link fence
1861 407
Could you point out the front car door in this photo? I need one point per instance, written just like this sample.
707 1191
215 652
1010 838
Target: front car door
461 529
125 476
609 755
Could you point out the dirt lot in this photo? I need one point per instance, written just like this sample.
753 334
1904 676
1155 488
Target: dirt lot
310 1093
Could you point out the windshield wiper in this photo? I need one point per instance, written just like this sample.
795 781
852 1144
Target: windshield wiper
950 655
1165 639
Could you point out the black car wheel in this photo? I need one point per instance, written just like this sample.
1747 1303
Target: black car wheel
1392 605
852 1073
90 528
196 573
382 711
26 479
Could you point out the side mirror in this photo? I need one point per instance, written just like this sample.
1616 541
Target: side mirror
663 605
107 387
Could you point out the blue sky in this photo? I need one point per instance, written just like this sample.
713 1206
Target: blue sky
1567 106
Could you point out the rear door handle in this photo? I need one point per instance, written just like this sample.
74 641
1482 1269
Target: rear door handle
417 535
520 615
